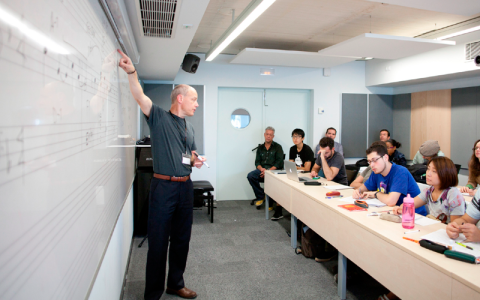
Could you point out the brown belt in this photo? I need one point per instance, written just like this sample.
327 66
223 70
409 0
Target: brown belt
171 178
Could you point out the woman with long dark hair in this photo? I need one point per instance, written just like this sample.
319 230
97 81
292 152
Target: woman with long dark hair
394 155
473 171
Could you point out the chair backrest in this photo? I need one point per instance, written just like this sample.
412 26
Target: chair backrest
351 175
458 168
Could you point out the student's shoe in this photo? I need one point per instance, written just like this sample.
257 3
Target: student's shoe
253 201
270 208
259 203
277 216
325 256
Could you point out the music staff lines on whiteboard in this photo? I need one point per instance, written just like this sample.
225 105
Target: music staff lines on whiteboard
56 222
111 137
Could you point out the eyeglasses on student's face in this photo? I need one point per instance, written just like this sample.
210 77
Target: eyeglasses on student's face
296 137
374 160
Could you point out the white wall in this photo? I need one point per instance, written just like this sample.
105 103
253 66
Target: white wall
109 281
433 66
347 78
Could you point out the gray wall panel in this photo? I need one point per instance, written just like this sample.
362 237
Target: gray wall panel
402 113
465 123
380 115
354 124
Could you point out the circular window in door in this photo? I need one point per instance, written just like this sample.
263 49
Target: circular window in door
240 118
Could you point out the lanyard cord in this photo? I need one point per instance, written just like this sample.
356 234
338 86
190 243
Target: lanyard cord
176 123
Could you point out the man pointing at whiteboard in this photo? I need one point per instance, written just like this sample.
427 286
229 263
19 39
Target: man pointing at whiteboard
171 192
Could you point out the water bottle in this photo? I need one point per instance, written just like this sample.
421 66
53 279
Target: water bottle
408 213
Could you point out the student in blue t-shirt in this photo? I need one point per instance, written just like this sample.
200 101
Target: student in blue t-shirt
389 182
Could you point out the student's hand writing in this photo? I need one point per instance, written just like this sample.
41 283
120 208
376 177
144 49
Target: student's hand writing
397 210
472 192
357 194
471 232
369 195
313 174
453 230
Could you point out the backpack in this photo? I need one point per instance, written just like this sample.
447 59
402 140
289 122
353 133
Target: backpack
312 243
418 172
362 163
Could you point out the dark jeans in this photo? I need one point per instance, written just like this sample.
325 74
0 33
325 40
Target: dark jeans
169 218
254 179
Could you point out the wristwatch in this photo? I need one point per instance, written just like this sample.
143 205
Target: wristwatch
376 195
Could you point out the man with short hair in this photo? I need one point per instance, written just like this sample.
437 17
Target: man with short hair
428 150
302 155
389 182
384 135
331 133
330 162
269 157
170 213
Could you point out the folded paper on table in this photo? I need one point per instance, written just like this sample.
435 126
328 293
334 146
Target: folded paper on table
424 221
337 187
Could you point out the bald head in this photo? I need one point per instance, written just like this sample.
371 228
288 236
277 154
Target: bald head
181 89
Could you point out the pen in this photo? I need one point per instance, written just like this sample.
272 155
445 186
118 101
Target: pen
202 161
382 211
330 197
411 231
412 240
468 247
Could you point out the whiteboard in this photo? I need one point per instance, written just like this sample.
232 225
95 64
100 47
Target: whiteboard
67 126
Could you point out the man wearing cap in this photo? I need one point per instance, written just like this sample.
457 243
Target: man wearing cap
428 150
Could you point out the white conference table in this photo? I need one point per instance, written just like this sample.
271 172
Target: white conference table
377 246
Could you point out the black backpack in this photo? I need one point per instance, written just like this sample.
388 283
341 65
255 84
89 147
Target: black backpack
362 163
418 172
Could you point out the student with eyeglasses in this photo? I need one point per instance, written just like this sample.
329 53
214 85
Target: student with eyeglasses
389 182
473 171
444 200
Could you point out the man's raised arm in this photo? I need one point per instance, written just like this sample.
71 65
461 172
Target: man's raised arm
143 101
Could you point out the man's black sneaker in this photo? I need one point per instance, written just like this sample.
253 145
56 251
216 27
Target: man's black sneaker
277 216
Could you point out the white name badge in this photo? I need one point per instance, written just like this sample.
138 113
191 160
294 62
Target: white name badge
186 159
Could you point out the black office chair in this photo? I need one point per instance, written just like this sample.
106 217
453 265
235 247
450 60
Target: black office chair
458 168
352 171
202 190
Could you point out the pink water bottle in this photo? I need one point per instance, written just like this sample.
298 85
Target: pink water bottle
408 213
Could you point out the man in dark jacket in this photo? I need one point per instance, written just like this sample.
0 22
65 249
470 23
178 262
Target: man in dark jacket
269 157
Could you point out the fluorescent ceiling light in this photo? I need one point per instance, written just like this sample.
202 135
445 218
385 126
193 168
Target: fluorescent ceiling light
31 33
459 33
248 15
368 58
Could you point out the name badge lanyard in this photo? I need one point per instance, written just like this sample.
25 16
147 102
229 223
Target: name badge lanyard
176 123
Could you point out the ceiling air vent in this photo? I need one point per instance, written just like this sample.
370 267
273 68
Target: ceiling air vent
472 50
158 17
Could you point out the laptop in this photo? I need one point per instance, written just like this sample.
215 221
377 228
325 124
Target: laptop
291 169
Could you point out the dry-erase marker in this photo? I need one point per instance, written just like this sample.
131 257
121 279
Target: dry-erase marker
411 231
468 247
203 162
412 240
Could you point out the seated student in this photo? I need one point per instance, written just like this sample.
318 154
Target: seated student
331 133
428 150
269 157
389 182
394 155
384 135
466 223
302 155
362 177
473 171
331 163
444 200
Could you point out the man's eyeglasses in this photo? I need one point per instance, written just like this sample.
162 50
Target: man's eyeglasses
374 160
296 137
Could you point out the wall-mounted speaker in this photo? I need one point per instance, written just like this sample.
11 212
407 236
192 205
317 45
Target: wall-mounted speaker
190 63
